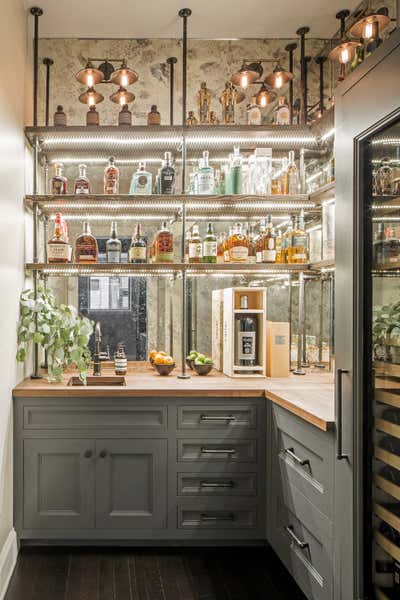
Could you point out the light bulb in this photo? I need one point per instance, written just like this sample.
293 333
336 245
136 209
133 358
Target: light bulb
90 80
91 101
344 55
263 101
278 81
244 80
368 31
122 100
124 80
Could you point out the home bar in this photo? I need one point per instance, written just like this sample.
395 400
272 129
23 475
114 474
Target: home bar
201 381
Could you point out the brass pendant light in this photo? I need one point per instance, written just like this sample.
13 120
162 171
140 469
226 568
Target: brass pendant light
365 27
91 97
344 52
89 76
122 96
265 96
278 78
124 76
247 75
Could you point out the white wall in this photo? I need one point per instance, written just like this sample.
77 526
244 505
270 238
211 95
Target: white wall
14 53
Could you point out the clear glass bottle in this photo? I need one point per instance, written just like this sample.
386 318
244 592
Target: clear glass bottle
111 177
269 248
124 116
227 257
286 240
252 245
285 177
282 112
236 171
138 249
378 245
238 245
141 182
167 176
210 245
86 249
113 245
253 113
58 183
82 183
58 250
280 253
221 247
153 117
164 245
205 177
246 337
293 175
195 246
260 242
298 248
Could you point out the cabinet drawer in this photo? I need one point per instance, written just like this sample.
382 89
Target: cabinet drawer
220 416
304 456
216 516
213 484
207 450
302 537
95 417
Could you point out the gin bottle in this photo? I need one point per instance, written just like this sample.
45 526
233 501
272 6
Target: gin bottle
167 176
113 246
205 177
82 184
142 181
111 177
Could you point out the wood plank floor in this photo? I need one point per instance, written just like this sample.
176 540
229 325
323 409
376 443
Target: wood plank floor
150 574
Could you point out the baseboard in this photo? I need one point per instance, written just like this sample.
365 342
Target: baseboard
8 559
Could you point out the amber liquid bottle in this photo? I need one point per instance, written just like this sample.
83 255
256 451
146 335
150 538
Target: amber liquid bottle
58 249
164 245
298 248
111 177
238 245
86 249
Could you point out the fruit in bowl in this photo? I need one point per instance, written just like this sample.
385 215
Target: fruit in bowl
154 353
203 364
191 357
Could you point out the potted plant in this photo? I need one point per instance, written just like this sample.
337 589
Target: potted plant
58 329
386 340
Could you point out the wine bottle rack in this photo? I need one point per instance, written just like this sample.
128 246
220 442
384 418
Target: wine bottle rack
388 427
387 457
384 513
387 486
387 545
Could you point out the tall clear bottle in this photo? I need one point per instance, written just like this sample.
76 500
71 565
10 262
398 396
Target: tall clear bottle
141 182
113 245
167 176
205 177
195 246
236 173
82 183
111 177
138 249
298 249
293 175
210 245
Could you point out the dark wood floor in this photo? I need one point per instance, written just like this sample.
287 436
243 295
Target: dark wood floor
143 574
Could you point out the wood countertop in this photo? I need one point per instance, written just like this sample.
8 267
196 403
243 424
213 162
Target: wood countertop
310 397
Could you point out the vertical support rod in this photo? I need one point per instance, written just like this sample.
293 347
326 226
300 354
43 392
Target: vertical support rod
48 62
331 321
320 364
46 176
320 60
304 361
300 327
291 48
290 321
172 62
307 59
303 109
36 367
36 12
302 165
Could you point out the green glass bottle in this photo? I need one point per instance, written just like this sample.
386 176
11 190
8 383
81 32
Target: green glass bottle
210 245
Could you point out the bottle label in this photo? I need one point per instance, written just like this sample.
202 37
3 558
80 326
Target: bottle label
168 182
82 187
209 248
85 257
300 256
141 184
137 253
247 345
205 182
111 181
195 250
58 252
283 116
58 187
226 256
269 256
258 256
299 241
113 256
240 253
254 116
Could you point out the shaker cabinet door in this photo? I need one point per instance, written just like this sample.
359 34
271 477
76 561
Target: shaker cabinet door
131 484
58 484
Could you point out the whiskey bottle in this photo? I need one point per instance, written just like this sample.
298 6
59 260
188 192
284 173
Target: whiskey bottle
86 249
279 251
238 245
195 246
191 120
286 240
298 248
82 183
228 100
167 176
164 245
204 103
60 118
111 177
138 249
227 257
285 177
124 116
58 250
213 118
92 117
253 113
141 182
113 246
260 242
269 248
153 117
58 184
221 248
120 360
246 337
210 245
205 177
293 175
252 244
282 112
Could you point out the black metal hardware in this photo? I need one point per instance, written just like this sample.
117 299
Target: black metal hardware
297 541
320 60
339 414
302 462
213 518
97 350
48 62
216 484
88 454
103 454
217 418
302 31
291 48
205 450
171 61
36 12
342 16
306 60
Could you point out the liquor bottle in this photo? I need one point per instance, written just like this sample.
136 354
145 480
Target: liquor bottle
246 337
141 182
260 242
111 177
138 249
205 177
86 249
167 176
227 257
276 182
210 245
252 245
120 360
113 246
195 246
238 245
253 113
58 184
236 172
60 118
92 117
156 187
124 116
191 120
391 247
153 117
284 177
221 247
279 250
204 103
282 112
378 245
293 175
298 248
82 183
286 240
187 241
65 237
228 100
164 245
213 118
269 249
58 250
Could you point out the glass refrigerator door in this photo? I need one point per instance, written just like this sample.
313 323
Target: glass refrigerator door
381 156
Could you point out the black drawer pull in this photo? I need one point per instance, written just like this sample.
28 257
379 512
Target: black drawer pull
205 518
294 537
88 454
205 450
217 484
103 454
207 418
300 461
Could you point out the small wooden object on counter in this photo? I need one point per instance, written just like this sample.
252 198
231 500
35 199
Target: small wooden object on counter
277 349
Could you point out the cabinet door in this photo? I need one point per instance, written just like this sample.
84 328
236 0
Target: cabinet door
58 484
131 484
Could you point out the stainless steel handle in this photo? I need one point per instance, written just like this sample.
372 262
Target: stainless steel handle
103 454
217 484
229 418
213 518
339 415
297 541
88 454
217 451
302 462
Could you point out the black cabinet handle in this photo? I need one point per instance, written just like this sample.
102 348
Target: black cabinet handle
297 541
217 418
103 454
205 518
339 415
217 484
88 454
300 461
205 450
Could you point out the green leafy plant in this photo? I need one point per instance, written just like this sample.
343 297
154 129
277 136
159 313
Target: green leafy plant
58 329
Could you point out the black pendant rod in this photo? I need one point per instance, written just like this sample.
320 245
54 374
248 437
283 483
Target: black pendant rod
172 62
48 62
185 14
36 12
302 31
291 48
307 59
320 60
342 16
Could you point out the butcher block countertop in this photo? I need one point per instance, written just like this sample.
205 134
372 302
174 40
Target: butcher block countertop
310 397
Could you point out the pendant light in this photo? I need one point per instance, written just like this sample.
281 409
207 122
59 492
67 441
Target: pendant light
344 52
370 24
124 76
90 76
247 75
122 96
279 77
91 97
264 96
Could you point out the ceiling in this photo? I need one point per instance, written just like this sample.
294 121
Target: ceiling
211 19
